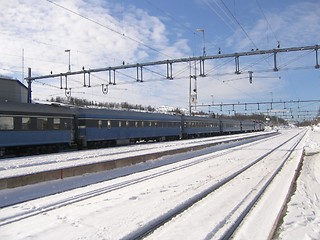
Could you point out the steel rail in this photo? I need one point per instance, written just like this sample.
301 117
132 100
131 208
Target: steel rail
249 207
96 192
167 217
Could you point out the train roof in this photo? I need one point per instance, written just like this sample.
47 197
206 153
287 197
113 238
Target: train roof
27 108
94 112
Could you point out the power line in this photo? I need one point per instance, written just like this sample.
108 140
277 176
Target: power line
272 107
217 13
274 35
201 60
169 75
261 103
170 16
239 24
109 28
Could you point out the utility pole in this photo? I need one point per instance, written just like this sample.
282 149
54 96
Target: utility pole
68 51
29 86
22 70
203 41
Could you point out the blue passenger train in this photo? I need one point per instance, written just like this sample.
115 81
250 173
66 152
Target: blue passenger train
41 128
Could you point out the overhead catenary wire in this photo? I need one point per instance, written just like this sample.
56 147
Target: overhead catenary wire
189 60
296 58
184 25
239 24
207 3
274 34
110 29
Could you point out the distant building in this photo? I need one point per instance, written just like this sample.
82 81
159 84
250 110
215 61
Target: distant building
12 90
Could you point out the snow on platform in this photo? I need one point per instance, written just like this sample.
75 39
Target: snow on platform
22 171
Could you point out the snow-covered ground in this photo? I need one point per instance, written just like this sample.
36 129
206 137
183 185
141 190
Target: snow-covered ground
107 211
302 220
21 166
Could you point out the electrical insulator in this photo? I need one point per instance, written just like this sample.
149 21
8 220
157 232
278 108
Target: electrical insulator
250 76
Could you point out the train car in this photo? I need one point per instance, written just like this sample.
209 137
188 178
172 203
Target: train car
116 127
248 126
259 126
42 128
200 126
229 126
34 128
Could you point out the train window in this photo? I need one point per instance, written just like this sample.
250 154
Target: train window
42 123
114 123
6 123
26 123
131 124
109 124
104 124
50 124
56 123
100 124
90 123
17 123
123 123
65 124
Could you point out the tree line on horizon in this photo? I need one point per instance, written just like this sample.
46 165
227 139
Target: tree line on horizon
127 106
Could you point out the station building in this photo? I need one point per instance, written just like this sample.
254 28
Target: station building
12 90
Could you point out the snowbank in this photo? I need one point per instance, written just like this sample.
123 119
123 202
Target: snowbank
302 220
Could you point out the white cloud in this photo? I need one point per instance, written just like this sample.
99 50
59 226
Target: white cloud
35 22
44 31
297 25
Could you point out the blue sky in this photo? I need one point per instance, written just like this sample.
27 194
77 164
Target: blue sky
103 33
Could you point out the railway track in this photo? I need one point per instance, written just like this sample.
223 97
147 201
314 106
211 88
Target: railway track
227 225
120 185
34 161
53 203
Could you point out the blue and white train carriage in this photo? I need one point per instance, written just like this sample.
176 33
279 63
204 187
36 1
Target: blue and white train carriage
115 127
35 127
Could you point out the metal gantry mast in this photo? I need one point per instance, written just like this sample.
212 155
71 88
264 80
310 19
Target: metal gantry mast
258 104
169 65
